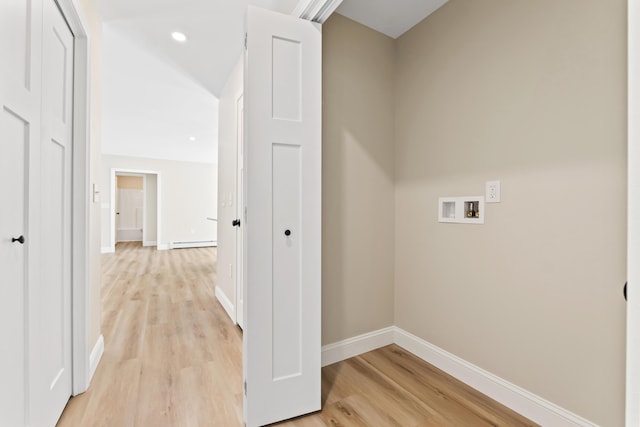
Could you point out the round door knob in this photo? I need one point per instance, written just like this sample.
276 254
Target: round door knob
287 233
19 239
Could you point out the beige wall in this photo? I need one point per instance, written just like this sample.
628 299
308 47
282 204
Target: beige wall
531 93
358 173
91 19
130 182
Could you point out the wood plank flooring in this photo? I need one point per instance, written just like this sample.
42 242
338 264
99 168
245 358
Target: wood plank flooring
173 358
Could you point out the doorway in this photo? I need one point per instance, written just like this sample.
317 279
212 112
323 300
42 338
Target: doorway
129 207
135 207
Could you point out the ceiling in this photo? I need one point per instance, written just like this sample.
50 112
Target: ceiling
160 96
215 28
390 17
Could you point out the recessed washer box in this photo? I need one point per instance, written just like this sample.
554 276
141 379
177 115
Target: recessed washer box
461 210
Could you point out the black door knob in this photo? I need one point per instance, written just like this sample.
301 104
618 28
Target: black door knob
19 239
236 223
287 233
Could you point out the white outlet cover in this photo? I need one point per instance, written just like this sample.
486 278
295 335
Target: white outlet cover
492 194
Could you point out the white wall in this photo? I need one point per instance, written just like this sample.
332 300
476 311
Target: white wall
227 154
188 195
151 108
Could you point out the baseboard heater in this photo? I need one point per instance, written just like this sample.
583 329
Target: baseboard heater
193 244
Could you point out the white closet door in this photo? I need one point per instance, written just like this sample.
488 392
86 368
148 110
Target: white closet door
20 94
50 293
282 104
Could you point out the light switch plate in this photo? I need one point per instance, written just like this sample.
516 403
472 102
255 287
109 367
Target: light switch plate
492 194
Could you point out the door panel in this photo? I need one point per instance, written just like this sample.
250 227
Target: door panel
13 179
20 94
16 20
50 296
283 193
286 79
287 284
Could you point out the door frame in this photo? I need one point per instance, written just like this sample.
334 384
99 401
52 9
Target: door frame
81 197
112 211
240 210
632 411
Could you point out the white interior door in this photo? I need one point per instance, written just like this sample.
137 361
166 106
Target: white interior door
20 96
240 214
130 207
117 212
282 103
50 293
35 175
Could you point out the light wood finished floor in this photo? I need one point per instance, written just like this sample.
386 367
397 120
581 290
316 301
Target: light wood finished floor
173 358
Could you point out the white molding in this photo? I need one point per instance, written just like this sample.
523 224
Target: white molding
150 243
163 246
226 303
315 10
108 250
529 405
351 347
96 356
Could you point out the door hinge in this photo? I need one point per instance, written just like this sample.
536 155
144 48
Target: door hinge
245 388
245 41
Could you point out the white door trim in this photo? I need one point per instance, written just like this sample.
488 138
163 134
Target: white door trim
81 198
633 221
315 10
239 196
112 212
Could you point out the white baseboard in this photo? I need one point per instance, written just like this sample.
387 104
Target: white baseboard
163 247
351 347
108 250
226 304
149 243
529 405
96 355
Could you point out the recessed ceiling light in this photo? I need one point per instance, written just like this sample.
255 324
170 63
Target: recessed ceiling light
192 138
179 37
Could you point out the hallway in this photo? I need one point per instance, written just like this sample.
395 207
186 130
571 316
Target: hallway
172 356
